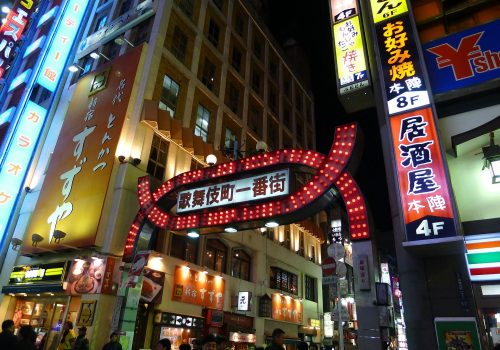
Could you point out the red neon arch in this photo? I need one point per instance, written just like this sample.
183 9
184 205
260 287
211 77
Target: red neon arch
330 171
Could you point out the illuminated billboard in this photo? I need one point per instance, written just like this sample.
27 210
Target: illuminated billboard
72 197
385 9
12 30
350 54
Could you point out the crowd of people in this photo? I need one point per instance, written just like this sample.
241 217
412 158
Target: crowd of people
26 340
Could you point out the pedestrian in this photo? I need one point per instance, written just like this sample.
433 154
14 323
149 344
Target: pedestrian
68 337
277 340
184 346
163 344
27 338
209 343
302 345
113 343
81 341
7 338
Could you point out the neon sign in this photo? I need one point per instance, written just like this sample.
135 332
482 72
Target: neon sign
17 160
55 61
12 30
385 9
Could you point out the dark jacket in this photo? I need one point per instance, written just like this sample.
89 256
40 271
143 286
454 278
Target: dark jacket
24 344
274 346
7 340
81 343
112 346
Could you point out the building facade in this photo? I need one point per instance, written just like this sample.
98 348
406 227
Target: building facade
156 87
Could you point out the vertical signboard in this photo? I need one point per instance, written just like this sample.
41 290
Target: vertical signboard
425 192
348 43
69 207
55 61
12 30
29 126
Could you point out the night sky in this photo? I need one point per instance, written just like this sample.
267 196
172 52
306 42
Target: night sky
308 23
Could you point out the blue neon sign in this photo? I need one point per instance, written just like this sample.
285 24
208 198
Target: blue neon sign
55 62
18 159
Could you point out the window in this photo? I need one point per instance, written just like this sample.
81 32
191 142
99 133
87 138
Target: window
299 129
100 22
186 6
273 69
157 157
111 49
141 32
313 253
286 87
298 102
255 122
169 95
270 233
301 243
202 119
239 25
208 77
213 33
229 138
236 59
286 117
257 48
233 98
215 255
256 81
219 4
125 7
179 44
283 280
311 289
184 248
240 264
272 101
287 242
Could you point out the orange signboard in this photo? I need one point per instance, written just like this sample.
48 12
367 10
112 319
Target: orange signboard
286 308
199 288
71 200
425 194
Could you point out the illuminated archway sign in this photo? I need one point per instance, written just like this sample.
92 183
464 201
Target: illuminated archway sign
328 172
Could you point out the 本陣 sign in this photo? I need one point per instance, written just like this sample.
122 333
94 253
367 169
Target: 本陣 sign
196 287
350 55
425 195
238 191
75 186
44 273
12 30
464 59
286 308
402 72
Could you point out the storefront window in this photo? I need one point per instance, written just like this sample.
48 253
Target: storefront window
184 248
215 255
240 264
283 280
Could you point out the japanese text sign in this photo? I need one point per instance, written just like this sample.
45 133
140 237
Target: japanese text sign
349 53
464 59
12 30
75 186
44 273
343 9
423 184
199 288
286 308
244 301
17 160
60 48
248 189
403 78
385 9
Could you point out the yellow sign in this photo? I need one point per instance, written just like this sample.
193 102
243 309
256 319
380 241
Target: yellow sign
385 9
314 322
349 53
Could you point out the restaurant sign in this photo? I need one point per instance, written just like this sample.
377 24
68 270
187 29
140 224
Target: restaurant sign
248 189
178 320
43 273
199 288
286 308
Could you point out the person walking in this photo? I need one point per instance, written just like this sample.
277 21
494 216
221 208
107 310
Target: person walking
81 341
163 344
7 338
113 343
68 337
27 338
209 343
278 338
184 346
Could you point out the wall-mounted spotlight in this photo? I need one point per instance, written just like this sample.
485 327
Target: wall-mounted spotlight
35 239
121 40
492 159
230 229
75 68
58 235
211 159
136 161
16 243
193 234
96 55
121 159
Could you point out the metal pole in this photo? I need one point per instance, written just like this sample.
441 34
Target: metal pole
339 308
